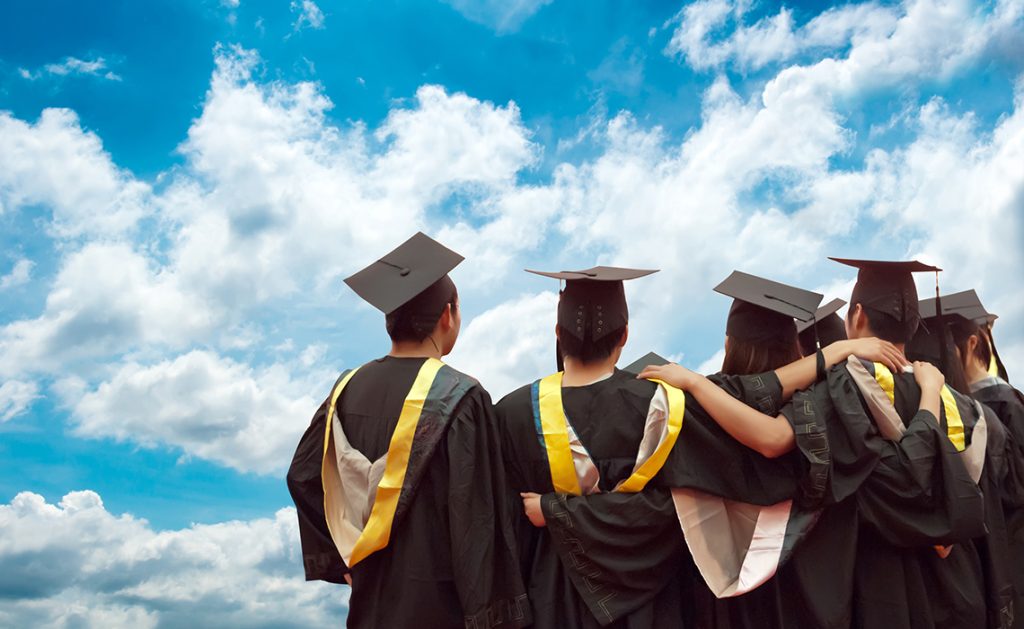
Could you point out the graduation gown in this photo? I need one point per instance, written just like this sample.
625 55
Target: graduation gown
1007 405
614 559
901 475
449 559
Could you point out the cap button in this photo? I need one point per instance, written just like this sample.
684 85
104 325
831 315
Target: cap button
403 272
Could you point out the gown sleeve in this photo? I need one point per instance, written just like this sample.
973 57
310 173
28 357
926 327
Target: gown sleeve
620 550
320 557
485 564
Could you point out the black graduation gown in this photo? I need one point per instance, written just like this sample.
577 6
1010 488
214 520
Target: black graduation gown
885 504
451 560
620 559
1007 405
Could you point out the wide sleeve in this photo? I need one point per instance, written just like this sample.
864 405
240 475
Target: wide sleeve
761 391
619 550
920 492
485 564
319 555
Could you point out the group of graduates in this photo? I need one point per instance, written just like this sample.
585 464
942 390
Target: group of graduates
866 472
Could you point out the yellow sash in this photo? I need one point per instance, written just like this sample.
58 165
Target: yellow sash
377 531
555 430
954 423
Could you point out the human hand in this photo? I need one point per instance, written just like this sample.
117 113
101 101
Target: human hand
531 506
928 377
676 375
877 350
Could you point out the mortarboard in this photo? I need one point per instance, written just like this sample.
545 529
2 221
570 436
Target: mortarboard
593 302
650 358
763 311
408 270
826 327
888 287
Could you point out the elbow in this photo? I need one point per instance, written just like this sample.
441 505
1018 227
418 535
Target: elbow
777 443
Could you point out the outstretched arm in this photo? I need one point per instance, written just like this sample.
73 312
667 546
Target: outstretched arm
803 373
770 436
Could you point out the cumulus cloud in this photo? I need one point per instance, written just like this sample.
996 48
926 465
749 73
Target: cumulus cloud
19 274
503 16
57 164
16 397
75 564
72 66
914 38
209 406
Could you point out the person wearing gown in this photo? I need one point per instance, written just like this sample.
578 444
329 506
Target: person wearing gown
399 483
889 451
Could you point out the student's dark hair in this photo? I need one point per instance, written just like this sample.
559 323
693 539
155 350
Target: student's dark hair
744 358
586 350
962 332
416 319
886 327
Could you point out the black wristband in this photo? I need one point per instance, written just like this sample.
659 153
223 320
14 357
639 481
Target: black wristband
822 372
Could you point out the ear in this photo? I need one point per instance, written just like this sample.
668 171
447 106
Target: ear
625 337
447 321
558 332
972 344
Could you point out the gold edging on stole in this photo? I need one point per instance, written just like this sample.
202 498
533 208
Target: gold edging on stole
555 429
676 409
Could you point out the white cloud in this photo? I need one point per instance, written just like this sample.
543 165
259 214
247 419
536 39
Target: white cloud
209 406
20 273
510 344
503 16
309 14
75 564
72 66
55 163
16 397
107 299
918 37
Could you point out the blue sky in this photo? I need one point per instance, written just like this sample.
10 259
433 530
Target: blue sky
183 185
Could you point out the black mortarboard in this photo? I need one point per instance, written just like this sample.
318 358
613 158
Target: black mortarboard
650 358
763 311
826 327
888 288
593 302
408 270
934 343
964 304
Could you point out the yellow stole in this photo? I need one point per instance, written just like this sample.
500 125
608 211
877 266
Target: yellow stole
554 427
377 532
954 423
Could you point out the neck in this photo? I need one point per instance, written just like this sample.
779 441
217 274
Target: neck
426 348
579 374
975 372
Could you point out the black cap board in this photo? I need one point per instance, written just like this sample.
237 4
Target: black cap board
593 302
826 328
888 287
405 272
964 304
650 358
763 311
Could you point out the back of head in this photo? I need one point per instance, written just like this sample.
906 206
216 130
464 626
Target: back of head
415 320
887 296
744 358
926 346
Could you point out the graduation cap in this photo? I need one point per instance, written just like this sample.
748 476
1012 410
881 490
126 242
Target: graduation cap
888 288
415 275
593 302
965 312
826 327
648 359
763 311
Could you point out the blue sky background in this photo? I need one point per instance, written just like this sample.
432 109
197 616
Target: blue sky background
184 184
